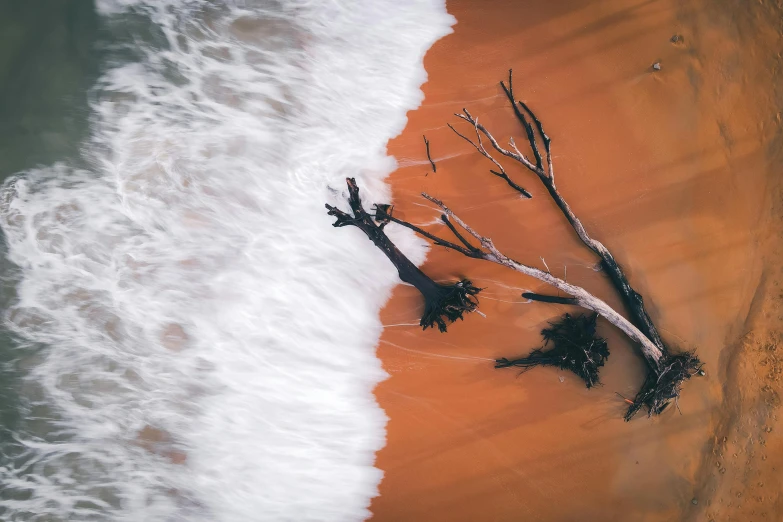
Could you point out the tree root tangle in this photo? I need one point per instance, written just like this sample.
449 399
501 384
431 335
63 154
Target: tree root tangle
574 347
449 303
661 389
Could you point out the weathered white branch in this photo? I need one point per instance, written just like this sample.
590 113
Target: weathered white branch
583 298
513 155
479 147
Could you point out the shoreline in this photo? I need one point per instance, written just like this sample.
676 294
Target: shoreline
638 154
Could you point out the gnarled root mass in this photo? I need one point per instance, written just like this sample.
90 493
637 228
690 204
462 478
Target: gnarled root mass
443 304
663 387
574 347
448 302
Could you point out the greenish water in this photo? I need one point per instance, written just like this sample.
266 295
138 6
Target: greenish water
52 52
49 58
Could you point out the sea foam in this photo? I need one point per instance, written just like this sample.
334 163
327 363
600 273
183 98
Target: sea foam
199 342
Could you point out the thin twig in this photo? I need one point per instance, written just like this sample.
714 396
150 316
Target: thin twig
427 145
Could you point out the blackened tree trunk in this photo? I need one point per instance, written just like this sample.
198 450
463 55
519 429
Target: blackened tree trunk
442 303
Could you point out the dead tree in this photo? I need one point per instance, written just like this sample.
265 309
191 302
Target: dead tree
664 382
543 167
442 303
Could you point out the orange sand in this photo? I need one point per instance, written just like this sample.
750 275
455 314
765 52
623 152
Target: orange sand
676 172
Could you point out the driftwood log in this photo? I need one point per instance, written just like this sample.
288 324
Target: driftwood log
442 303
488 252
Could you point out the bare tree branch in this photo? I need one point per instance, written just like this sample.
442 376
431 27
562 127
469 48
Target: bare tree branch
383 213
475 251
518 157
550 298
544 137
531 136
501 173
586 352
663 383
631 298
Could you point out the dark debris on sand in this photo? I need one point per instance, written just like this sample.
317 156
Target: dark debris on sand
662 388
570 343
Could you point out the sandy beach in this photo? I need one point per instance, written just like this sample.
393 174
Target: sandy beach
677 171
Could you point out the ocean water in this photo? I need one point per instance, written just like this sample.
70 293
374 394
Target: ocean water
190 338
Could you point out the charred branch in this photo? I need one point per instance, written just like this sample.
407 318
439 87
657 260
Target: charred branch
427 146
571 344
383 214
668 372
550 298
443 304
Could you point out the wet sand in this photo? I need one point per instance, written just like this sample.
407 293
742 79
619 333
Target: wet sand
676 171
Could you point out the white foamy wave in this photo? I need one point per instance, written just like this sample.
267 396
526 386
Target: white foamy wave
202 341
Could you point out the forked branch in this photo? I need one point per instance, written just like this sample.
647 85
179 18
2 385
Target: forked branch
479 146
